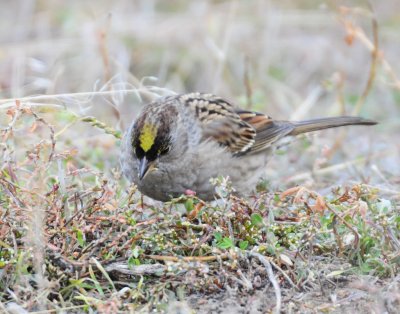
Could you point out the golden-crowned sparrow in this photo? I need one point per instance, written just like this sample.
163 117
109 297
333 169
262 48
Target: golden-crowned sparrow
180 142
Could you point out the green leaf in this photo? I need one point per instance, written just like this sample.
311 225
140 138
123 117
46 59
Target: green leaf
95 281
136 252
226 243
243 245
218 236
256 219
336 273
280 152
133 261
189 205
80 238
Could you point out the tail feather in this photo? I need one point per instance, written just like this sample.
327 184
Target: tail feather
327 123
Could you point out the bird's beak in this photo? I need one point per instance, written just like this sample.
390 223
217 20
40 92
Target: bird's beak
144 167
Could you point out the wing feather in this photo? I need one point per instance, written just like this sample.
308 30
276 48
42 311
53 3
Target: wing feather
241 131
221 122
268 131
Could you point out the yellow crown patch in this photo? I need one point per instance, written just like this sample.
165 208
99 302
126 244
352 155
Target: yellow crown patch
147 136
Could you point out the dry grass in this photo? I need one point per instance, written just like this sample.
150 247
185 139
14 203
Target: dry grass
321 235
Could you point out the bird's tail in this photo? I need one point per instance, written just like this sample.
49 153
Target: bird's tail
327 123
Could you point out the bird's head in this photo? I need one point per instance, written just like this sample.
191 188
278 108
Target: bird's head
151 138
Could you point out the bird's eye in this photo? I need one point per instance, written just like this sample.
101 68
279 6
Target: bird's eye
163 150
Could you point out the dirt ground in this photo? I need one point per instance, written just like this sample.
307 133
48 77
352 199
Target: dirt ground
353 294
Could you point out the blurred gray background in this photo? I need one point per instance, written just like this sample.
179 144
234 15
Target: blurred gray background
290 59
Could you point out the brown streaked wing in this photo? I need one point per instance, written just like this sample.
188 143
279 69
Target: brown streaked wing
221 122
268 131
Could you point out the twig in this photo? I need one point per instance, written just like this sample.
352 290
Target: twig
359 33
10 102
187 258
63 310
338 239
247 83
103 271
243 281
396 193
392 237
372 69
139 270
147 222
2 307
226 41
284 275
202 227
307 104
102 40
101 125
52 135
271 278
356 234
16 186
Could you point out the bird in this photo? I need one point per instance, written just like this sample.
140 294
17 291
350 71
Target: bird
179 142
